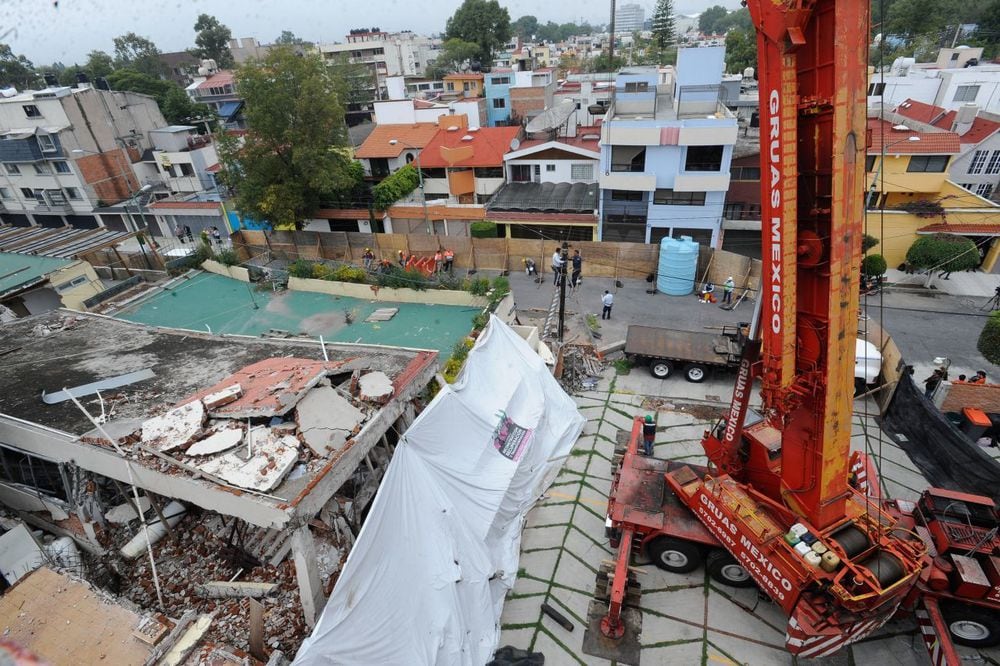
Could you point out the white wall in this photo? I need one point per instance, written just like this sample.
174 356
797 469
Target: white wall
900 88
563 171
41 300
987 78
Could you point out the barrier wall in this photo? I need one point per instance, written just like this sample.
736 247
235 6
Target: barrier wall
235 272
375 293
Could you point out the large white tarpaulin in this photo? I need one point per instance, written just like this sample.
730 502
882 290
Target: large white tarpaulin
426 579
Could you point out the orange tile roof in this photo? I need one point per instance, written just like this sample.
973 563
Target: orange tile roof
881 135
377 144
489 145
463 75
935 115
962 229
922 113
217 80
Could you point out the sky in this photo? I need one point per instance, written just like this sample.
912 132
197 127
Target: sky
47 31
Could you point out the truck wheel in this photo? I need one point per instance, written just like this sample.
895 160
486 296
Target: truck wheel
972 626
674 555
724 569
661 369
696 373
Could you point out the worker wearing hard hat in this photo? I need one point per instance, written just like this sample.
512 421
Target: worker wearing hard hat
727 290
648 435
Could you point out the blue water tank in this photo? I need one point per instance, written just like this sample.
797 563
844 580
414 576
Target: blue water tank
678 264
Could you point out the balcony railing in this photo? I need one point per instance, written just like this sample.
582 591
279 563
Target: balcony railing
630 168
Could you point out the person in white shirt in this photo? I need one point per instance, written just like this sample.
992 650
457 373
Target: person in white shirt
608 300
557 266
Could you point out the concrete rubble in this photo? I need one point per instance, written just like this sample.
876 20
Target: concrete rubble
382 314
175 428
272 458
124 513
375 387
326 420
223 589
220 441
223 397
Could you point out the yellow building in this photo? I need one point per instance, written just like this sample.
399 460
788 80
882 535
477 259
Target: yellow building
32 284
908 193
463 84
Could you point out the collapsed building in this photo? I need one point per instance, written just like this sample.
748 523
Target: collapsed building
252 462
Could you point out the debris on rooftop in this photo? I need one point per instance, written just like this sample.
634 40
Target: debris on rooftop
175 428
581 368
375 387
382 314
272 458
222 440
327 420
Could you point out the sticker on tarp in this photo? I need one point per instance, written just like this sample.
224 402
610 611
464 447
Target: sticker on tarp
510 439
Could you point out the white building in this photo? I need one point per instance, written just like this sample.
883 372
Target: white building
954 79
388 54
629 18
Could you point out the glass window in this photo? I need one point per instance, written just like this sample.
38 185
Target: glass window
671 198
625 195
56 197
928 164
636 86
31 111
549 168
488 172
499 103
966 94
27 193
72 193
5 193
978 161
870 163
993 167
745 173
984 189
13 169
41 168
520 173
876 89
61 167
704 158
46 144
582 171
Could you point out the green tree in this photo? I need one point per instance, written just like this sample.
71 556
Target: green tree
943 252
213 41
525 27
484 22
741 50
98 64
294 154
356 81
663 23
709 19
16 70
987 34
989 340
736 19
176 106
137 53
453 54
873 265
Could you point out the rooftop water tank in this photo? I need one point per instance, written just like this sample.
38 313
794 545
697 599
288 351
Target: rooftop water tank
677 266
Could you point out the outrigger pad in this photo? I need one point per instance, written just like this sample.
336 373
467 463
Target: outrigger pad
626 649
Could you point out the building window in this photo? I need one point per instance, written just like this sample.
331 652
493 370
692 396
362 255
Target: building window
625 195
636 86
628 158
550 168
966 94
75 282
581 172
488 172
704 158
928 164
876 89
4 193
745 173
27 193
13 169
870 163
993 167
31 111
954 57
41 168
500 80
671 198
186 169
56 197
434 173
978 161
984 190
520 173
499 103
46 144
72 193
451 86
61 167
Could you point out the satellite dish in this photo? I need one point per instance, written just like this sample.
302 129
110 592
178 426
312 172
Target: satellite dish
552 118
515 143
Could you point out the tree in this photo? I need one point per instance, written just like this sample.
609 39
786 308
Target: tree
98 64
741 50
213 41
989 340
525 27
294 154
943 252
16 70
484 22
176 106
663 23
289 38
453 54
873 265
709 19
137 53
736 19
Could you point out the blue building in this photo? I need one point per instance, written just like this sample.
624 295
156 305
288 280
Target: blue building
666 146
498 83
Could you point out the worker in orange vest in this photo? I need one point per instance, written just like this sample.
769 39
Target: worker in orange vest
438 258
449 261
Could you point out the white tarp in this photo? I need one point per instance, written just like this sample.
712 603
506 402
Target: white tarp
426 580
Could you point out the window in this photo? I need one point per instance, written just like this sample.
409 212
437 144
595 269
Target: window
499 103
704 158
954 57
5 193
41 168
434 173
993 167
186 169
984 189
520 173
745 173
978 161
550 168
581 172
966 94
31 111
27 193
56 197
451 86
636 86
466 86
72 193
928 164
876 89
61 167
625 195
75 282
46 144
488 172
628 158
500 80
870 163
671 198
13 169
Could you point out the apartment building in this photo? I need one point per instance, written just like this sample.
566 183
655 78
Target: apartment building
957 77
666 148
216 89
68 156
182 160
629 18
386 54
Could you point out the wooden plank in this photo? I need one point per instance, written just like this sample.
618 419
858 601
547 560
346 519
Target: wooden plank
257 630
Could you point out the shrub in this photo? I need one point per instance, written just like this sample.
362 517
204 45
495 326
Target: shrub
989 339
395 186
321 271
398 278
868 242
922 208
480 320
300 268
873 265
201 254
501 285
477 286
348 273
943 252
461 349
227 257
623 366
483 229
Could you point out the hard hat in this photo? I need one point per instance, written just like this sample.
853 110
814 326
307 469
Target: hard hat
730 277
649 418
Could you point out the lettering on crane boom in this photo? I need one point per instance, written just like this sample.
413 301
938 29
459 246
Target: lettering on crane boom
774 156
767 575
739 393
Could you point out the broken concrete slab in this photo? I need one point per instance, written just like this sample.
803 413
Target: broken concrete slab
174 428
271 460
220 441
376 387
124 513
222 589
223 397
382 314
20 554
326 420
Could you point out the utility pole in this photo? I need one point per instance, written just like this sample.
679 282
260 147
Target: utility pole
562 289
611 38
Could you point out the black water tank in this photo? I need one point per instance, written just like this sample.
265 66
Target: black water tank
81 77
102 83
51 80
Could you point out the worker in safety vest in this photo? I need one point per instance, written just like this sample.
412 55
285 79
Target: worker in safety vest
648 435
449 261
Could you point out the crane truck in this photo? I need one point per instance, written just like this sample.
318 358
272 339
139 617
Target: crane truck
776 506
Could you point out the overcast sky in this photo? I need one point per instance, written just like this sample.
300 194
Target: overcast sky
47 31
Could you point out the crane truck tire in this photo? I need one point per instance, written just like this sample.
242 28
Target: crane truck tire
661 369
674 555
972 626
695 372
723 569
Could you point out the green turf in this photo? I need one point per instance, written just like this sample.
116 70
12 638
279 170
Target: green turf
224 305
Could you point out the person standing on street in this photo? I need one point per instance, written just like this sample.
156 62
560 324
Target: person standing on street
216 236
577 268
727 290
179 232
557 266
608 300
401 256
648 435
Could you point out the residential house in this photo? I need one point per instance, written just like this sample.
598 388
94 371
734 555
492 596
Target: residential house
180 66
666 151
386 54
390 147
977 166
591 97
957 77
180 160
498 83
247 48
217 90
463 85
531 92
409 111
68 156
424 88
30 284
